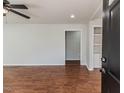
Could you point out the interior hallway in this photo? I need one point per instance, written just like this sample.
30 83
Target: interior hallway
51 79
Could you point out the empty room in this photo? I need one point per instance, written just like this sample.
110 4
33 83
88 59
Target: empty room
61 46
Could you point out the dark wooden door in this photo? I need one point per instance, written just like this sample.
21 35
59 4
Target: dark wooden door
111 47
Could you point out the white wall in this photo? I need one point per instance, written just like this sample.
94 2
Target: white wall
95 20
39 44
98 12
92 24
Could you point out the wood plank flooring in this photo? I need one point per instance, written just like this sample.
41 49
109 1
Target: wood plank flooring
51 79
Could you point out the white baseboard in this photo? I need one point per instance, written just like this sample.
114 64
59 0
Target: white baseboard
90 69
33 64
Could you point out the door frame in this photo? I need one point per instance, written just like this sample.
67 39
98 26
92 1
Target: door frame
91 46
78 30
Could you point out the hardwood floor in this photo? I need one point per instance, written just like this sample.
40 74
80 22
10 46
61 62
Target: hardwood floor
72 62
51 79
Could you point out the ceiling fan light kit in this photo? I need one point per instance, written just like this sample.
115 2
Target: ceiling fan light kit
9 7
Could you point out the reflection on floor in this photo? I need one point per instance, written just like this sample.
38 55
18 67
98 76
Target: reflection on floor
51 79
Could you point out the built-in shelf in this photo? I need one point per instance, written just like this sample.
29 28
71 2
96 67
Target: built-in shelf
97 44
97 40
97 34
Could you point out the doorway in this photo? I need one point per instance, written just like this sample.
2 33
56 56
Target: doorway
72 47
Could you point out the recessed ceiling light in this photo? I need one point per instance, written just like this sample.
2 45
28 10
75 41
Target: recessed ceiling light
72 16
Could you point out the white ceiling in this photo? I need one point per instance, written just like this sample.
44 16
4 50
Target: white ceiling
55 11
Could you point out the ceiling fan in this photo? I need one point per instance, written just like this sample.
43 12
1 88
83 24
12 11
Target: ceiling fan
9 7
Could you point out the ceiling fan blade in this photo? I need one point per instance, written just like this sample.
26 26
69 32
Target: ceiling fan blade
18 13
18 6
